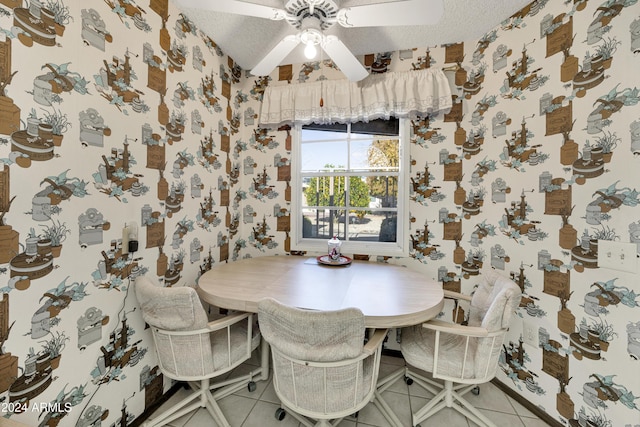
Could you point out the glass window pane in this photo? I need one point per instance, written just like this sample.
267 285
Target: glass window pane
323 224
312 197
377 153
319 156
361 136
323 191
373 227
373 192
311 220
359 154
384 189
359 193
388 227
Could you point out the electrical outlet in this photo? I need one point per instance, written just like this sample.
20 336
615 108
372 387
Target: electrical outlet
529 333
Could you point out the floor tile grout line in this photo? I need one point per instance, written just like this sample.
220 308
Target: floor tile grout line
357 423
515 411
500 412
249 413
254 398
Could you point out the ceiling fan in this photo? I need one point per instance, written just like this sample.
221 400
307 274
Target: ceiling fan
312 17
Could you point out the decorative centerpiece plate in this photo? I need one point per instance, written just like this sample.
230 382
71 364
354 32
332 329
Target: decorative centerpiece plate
326 260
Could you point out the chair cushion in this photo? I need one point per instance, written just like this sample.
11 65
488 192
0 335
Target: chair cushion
506 304
173 309
489 302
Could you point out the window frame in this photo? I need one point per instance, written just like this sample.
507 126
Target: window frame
398 248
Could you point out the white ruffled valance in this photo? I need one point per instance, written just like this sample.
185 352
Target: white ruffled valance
397 94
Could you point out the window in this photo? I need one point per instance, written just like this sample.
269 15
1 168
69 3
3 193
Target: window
349 181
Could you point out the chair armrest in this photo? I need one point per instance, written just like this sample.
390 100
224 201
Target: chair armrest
454 328
212 326
375 341
456 295
227 321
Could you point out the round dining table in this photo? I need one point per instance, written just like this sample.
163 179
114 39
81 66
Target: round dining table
389 295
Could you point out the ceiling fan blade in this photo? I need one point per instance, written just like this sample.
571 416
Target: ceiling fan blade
344 59
397 13
275 56
236 7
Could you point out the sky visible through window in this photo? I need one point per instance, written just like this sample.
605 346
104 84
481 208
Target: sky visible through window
329 150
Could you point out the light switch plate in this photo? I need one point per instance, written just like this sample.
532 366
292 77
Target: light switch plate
529 333
618 256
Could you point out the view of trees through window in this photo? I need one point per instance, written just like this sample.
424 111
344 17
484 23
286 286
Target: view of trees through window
349 184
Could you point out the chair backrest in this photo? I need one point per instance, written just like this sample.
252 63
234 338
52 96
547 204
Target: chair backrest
176 309
494 301
492 307
318 361
172 308
318 336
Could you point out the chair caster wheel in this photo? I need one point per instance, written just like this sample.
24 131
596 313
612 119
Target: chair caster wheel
408 381
475 391
280 413
251 386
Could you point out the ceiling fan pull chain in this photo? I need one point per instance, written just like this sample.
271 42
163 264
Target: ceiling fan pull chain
321 77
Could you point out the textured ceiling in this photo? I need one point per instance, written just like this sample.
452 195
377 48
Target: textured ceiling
248 39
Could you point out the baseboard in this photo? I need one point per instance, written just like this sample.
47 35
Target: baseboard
535 410
151 409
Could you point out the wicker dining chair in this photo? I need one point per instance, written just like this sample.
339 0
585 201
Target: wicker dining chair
322 369
190 348
462 357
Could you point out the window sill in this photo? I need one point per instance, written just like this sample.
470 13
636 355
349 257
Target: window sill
392 249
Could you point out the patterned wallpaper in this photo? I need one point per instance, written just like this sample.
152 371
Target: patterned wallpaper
120 114
533 167
112 114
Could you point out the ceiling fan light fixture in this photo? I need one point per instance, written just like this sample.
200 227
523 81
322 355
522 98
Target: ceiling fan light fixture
311 37
310 51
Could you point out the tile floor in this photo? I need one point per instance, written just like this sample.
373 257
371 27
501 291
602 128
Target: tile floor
257 409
